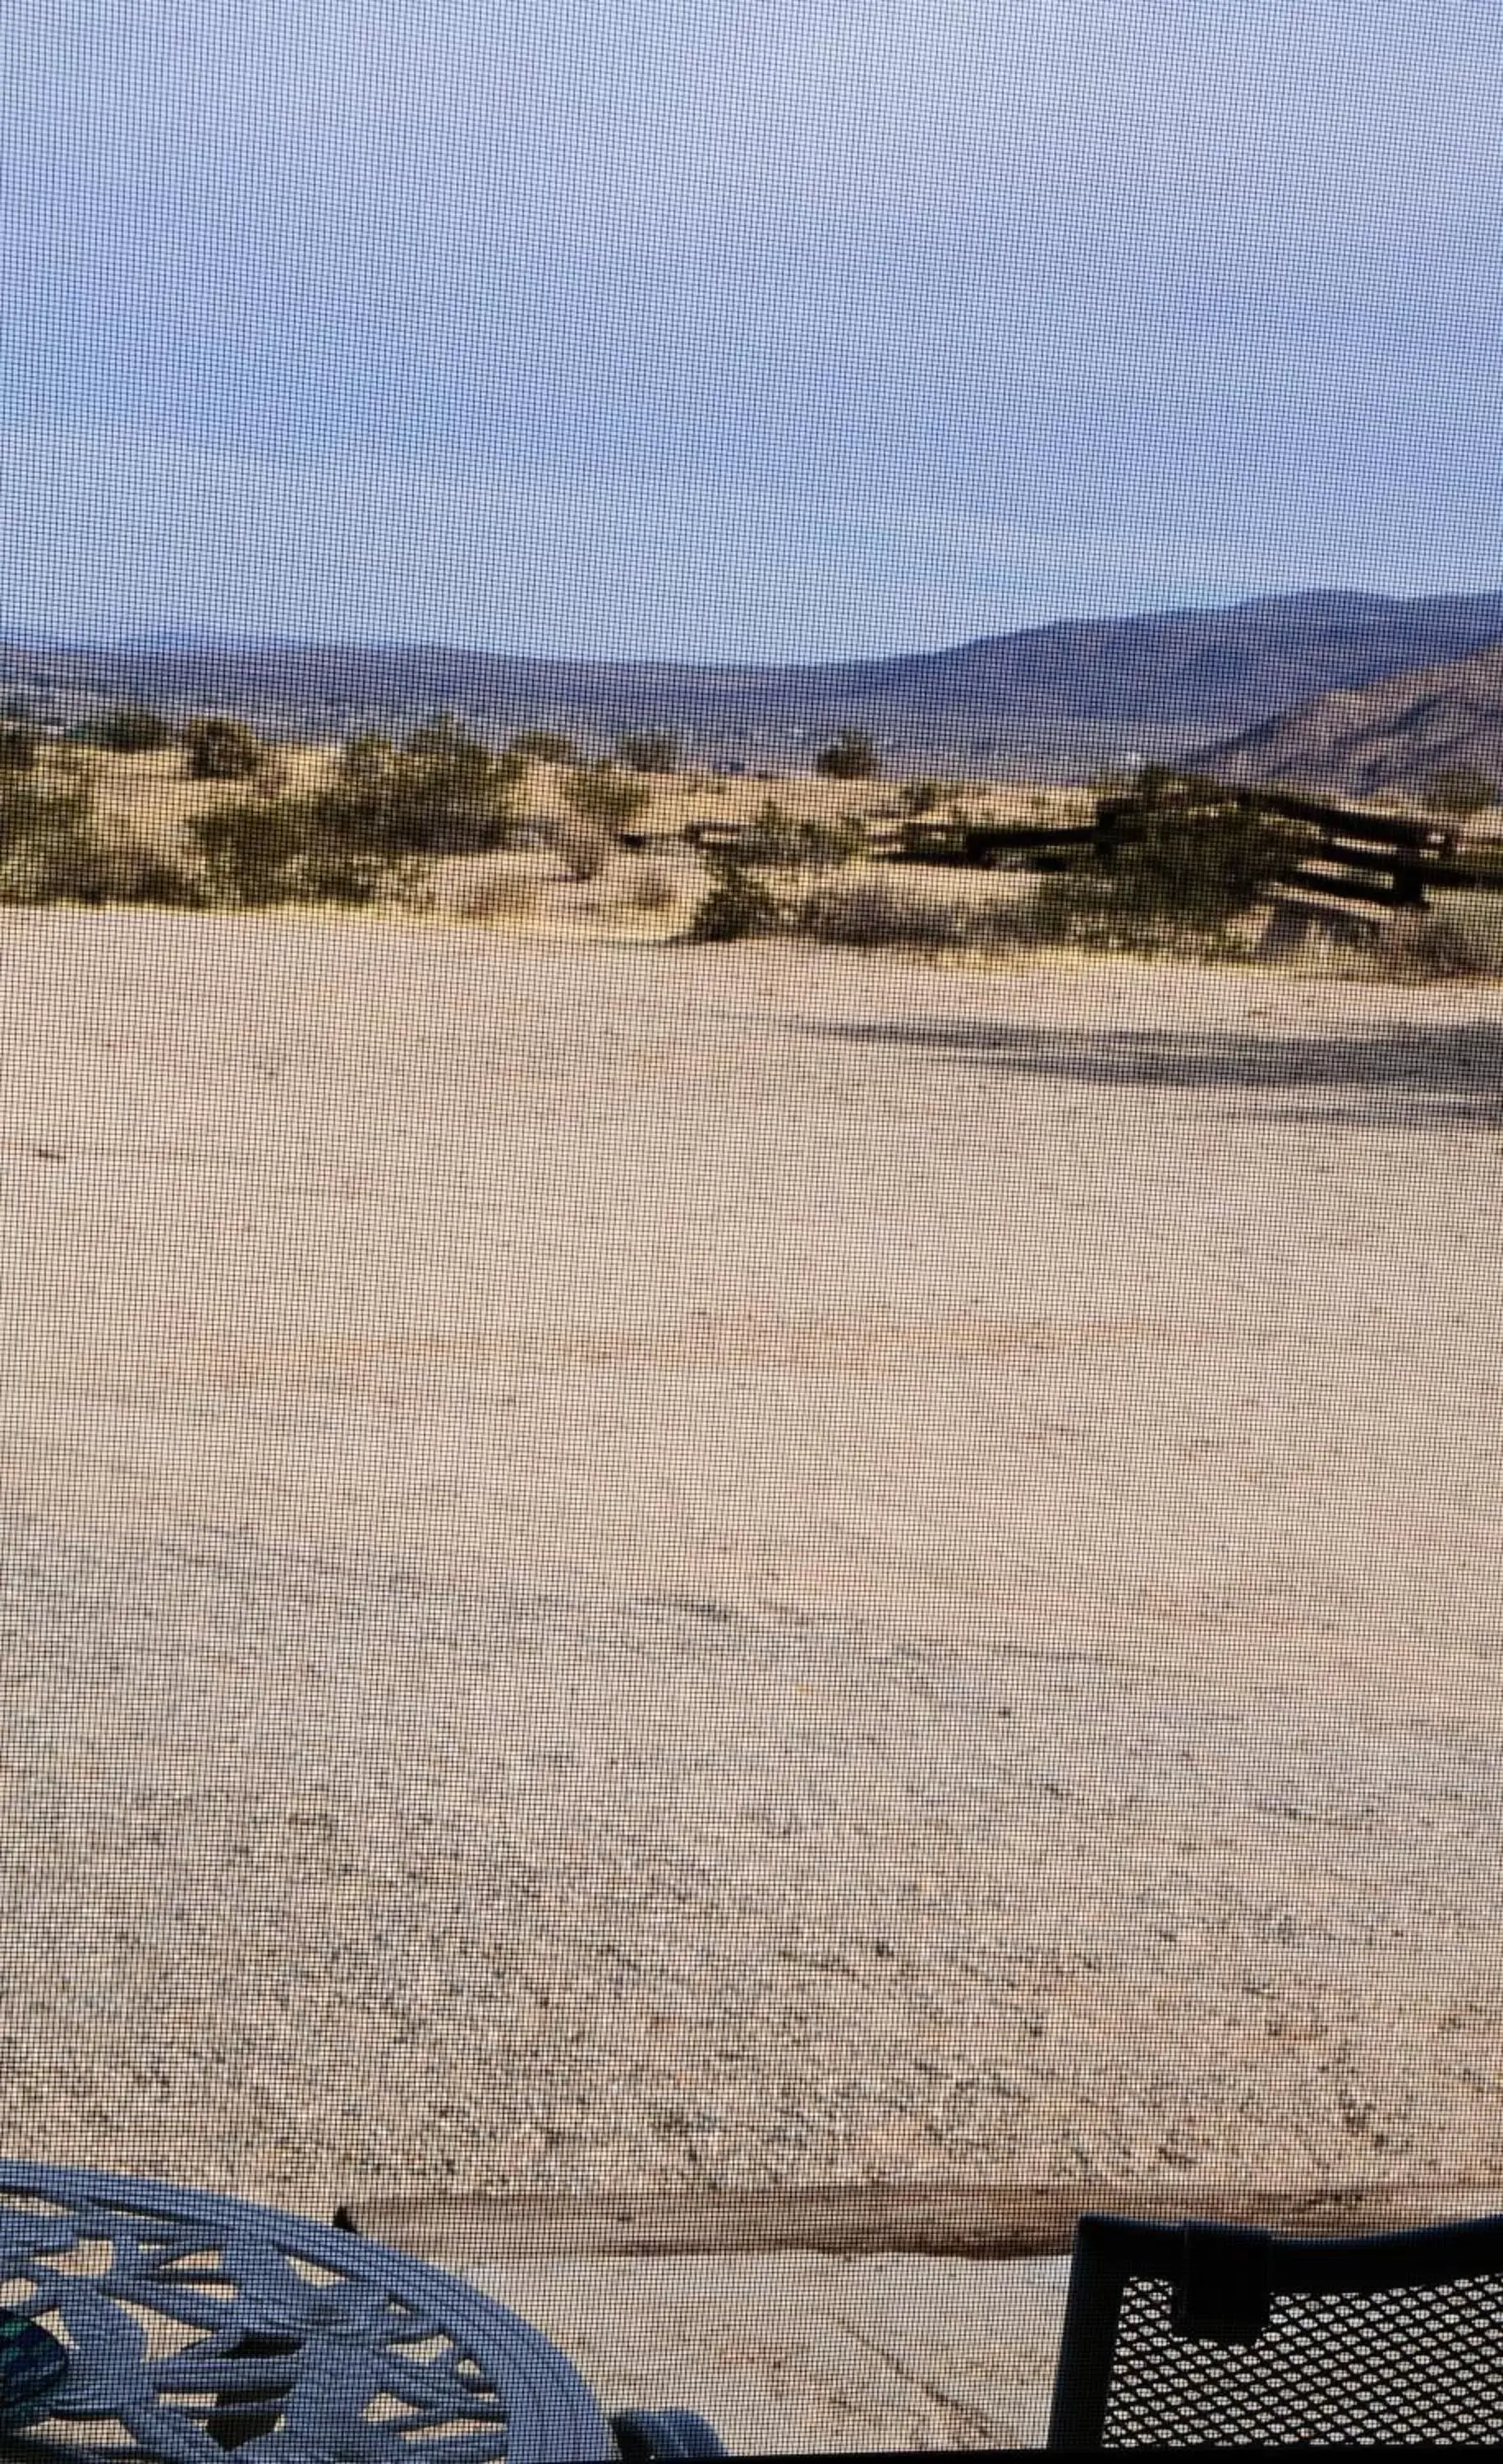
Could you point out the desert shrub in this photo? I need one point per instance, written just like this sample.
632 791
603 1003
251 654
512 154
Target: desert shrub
440 793
220 747
878 914
131 727
131 872
606 795
584 847
52 846
654 750
920 796
255 850
776 837
264 851
1461 791
1195 860
738 906
542 744
443 793
48 845
849 755
1460 935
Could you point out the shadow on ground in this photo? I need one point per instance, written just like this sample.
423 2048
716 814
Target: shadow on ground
1430 1076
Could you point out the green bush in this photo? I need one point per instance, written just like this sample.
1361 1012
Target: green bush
737 907
51 849
130 727
440 793
776 838
48 850
850 754
606 795
371 833
1194 859
255 851
219 747
269 850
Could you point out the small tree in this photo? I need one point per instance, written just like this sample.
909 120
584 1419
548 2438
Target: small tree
220 747
130 727
1461 791
736 906
441 793
850 754
654 750
606 795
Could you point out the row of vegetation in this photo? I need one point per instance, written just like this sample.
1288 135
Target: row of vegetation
1190 871
1196 866
221 747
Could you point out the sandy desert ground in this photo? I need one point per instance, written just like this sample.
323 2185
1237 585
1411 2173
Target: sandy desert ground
637 1564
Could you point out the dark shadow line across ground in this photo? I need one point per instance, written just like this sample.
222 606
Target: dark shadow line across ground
1446 1075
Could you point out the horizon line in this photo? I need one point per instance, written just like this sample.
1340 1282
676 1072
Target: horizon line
167 640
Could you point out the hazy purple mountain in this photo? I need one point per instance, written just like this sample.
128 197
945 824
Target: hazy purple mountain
1056 701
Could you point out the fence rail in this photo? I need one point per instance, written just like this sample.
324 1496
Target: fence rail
1373 859
941 2220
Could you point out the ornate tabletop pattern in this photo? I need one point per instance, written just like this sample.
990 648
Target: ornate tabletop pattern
200 2325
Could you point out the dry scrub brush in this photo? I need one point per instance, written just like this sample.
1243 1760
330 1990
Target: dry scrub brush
1460 936
879 913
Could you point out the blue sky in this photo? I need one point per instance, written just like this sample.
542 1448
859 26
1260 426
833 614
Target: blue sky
679 328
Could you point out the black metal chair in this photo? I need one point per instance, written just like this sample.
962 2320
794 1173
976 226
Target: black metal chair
1211 2334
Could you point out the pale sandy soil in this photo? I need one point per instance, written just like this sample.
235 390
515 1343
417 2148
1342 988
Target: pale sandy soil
632 1564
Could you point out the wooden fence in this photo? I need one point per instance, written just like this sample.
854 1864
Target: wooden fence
1375 859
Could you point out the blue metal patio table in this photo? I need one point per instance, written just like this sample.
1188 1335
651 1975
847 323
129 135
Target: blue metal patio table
201 2325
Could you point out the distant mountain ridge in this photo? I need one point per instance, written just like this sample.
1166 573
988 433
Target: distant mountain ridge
1393 737
1056 701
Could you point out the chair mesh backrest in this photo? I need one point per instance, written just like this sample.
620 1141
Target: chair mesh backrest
1420 2363
1202 2335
